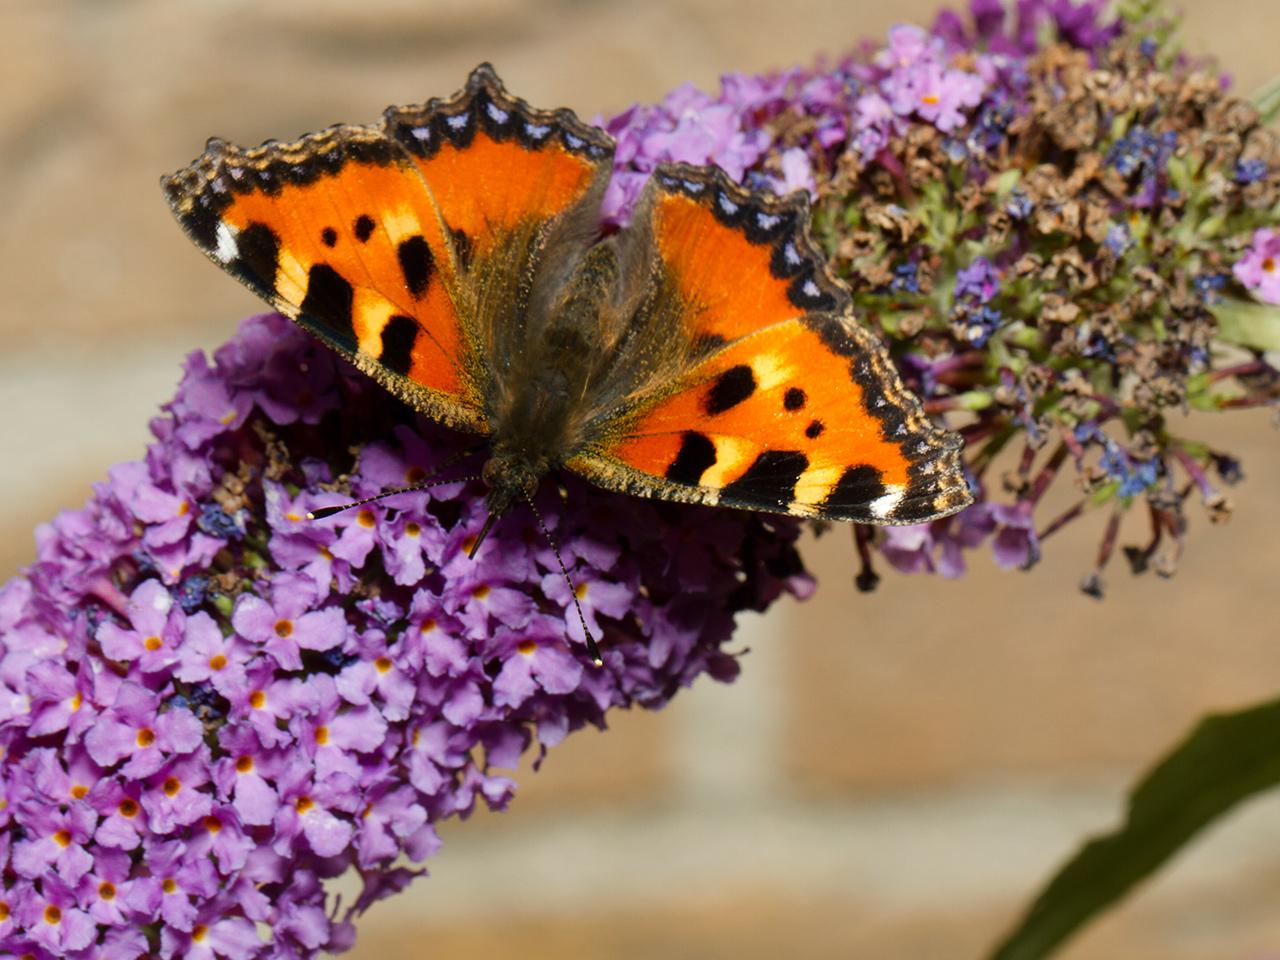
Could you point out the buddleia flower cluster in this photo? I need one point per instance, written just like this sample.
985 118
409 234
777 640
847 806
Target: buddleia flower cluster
1067 231
211 706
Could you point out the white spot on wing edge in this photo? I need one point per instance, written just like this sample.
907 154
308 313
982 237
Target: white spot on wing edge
885 504
226 249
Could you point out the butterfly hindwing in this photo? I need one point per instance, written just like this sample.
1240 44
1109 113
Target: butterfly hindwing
784 402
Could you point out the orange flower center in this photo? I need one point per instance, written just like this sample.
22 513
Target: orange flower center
303 804
146 737
107 890
169 885
62 838
580 591
428 625
212 824
184 508
128 808
76 701
930 98
322 735
412 529
527 647
258 699
171 786
4 911
481 591
382 664
1269 265
52 915
199 933
153 643
468 544
244 764
217 662
365 518
414 475
284 628
79 791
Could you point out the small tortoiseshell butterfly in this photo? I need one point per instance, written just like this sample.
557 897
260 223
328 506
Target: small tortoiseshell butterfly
701 354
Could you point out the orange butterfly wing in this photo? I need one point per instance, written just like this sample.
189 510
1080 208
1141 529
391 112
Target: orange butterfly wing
785 403
370 237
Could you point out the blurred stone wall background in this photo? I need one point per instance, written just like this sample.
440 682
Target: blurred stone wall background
893 773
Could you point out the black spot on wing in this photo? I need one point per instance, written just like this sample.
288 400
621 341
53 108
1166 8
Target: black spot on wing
857 488
363 227
814 430
257 256
730 389
416 264
697 453
398 338
769 482
329 236
327 306
794 398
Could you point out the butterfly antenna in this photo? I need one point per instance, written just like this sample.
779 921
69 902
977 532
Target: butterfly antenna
323 512
484 532
592 650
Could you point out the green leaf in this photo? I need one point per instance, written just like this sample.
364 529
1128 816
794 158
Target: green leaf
1249 324
1226 759
1267 100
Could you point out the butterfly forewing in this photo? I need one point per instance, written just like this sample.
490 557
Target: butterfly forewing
784 403
495 164
367 236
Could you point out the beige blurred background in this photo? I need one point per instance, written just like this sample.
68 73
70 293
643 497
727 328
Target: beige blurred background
894 773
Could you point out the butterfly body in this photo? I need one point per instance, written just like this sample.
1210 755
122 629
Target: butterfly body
700 354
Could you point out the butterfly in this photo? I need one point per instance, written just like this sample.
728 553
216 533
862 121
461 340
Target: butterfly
703 353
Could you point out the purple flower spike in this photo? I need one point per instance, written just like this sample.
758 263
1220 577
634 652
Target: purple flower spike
193 747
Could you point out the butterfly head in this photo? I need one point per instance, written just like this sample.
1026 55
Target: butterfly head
511 476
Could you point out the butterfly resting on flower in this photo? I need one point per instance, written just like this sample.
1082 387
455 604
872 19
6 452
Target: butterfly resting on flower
702 353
